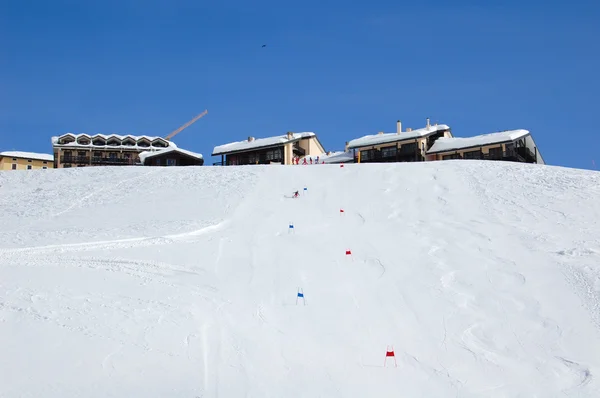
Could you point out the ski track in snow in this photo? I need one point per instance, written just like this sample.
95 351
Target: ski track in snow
471 299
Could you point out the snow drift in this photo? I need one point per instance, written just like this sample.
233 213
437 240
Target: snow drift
484 278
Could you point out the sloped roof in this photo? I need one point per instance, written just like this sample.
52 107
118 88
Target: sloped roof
28 155
149 154
106 137
259 143
444 144
332 157
378 139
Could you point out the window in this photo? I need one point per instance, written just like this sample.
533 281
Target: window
366 155
171 162
453 156
495 153
273 154
14 166
44 162
28 167
409 148
44 167
28 160
472 155
389 151
14 159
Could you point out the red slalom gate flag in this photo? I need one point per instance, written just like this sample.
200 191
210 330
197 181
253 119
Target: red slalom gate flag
341 210
348 252
390 353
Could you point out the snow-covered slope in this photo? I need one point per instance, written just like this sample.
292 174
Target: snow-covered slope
183 282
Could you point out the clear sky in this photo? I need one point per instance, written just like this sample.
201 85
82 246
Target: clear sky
340 69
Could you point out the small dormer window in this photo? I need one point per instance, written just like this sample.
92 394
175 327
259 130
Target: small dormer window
66 140
83 141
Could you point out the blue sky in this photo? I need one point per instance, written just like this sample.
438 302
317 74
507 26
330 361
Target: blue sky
340 70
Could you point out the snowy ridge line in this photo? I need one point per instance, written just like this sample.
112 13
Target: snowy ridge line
126 242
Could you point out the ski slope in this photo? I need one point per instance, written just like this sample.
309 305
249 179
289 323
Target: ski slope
484 277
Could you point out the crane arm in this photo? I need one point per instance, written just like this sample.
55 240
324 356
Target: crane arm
188 124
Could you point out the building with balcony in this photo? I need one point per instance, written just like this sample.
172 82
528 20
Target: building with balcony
512 145
171 156
81 150
401 146
16 160
282 149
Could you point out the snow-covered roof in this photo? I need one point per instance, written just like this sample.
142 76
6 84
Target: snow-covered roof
444 144
136 138
378 139
28 155
259 143
333 157
148 154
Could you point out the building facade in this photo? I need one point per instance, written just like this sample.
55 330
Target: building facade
15 160
401 146
283 149
81 150
171 157
512 145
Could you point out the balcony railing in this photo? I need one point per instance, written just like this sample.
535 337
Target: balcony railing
75 159
399 156
109 160
298 150
523 155
96 160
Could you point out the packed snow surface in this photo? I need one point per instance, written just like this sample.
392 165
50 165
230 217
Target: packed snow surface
482 277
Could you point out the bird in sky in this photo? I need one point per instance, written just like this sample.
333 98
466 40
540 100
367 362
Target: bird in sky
264 45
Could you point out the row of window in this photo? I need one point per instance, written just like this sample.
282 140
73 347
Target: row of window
493 153
390 151
271 155
29 167
114 142
29 161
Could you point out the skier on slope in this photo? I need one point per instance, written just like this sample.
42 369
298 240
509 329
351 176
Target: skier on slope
296 194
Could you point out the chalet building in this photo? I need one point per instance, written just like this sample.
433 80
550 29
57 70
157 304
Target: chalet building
401 146
80 150
512 145
171 157
15 160
282 149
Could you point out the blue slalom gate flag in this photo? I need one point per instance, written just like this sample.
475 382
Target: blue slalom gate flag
300 296
291 225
